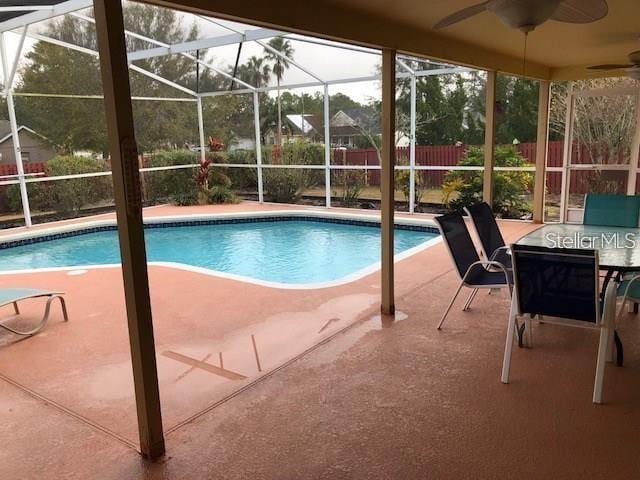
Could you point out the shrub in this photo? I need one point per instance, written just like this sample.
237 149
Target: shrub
351 182
402 180
287 185
221 194
186 198
67 197
171 185
243 178
218 175
509 188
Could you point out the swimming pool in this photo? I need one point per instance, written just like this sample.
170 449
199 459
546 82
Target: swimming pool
271 250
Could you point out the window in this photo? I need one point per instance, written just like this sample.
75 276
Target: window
26 157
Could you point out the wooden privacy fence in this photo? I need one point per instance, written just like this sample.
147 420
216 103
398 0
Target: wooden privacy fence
441 156
450 155
6 170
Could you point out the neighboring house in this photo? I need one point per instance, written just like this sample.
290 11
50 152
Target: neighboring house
35 148
308 126
349 128
297 127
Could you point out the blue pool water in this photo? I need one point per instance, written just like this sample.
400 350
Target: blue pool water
292 252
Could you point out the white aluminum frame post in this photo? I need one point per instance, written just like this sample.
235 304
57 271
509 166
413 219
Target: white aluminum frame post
9 77
412 149
327 148
203 154
256 123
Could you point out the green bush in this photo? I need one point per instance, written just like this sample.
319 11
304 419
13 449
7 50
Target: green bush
348 185
66 197
302 153
186 198
402 180
284 185
13 201
221 194
171 185
509 188
243 178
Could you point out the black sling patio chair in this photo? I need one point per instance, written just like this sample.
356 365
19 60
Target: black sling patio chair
474 273
561 286
486 227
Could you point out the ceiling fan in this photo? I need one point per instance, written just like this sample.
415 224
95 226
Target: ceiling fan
632 68
526 15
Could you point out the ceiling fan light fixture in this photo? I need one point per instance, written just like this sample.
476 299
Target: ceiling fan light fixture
525 15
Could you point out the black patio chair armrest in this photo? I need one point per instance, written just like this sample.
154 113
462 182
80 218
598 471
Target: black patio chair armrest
499 249
489 263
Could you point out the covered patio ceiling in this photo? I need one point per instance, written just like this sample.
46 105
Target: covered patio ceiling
556 51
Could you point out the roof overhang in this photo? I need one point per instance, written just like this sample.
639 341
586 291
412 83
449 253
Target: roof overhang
480 43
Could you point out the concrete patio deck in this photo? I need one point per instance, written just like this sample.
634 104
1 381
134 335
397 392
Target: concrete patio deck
405 401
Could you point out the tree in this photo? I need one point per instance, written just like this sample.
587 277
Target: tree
603 128
78 124
517 118
255 72
280 64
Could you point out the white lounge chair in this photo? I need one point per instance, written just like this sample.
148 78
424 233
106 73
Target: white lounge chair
14 295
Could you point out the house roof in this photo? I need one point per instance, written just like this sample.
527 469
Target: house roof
5 130
312 123
355 120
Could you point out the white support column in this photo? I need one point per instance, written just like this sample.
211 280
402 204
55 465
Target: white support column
489 137
203 154
17 151
387 178
542 146
412 149
635 152
256 121
327 149
566 156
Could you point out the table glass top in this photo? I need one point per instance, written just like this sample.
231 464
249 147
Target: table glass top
618 248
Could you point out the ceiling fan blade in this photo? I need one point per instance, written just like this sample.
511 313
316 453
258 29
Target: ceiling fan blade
462 15
581 11
611 66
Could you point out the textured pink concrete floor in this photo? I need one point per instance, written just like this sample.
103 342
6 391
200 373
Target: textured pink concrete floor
399 402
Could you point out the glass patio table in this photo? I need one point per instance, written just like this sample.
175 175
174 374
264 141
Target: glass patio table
618 250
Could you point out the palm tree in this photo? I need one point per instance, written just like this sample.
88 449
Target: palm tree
280 64
255 72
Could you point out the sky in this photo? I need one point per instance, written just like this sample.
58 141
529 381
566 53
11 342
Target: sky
328 61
